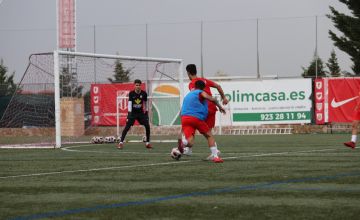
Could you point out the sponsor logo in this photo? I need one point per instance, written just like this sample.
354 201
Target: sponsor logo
319 116
137 101
96 109
122 98
95 90
96 99
96 119
122 93
319 106
319 95
318 85
336 104
238 96
123 104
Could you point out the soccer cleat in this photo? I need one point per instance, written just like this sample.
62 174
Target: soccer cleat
350 144
120 145
217 160
187 151
211 157
148 145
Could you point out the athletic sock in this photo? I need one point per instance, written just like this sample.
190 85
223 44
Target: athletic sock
185 142
214 150
353 138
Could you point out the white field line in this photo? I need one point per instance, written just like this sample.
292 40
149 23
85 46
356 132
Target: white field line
245 154
122 151
162 164
104 152
282 153
52 146
94 169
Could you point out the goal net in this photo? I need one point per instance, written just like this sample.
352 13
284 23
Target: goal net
67 97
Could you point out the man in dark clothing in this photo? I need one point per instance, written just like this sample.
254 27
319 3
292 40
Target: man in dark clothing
137 110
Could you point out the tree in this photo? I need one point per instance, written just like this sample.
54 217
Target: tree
333 65
349 42
120 75
311 70
7 85
68 85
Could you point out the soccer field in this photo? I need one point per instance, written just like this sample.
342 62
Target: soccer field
262 177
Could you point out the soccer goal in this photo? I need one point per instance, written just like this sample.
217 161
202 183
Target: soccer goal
67 97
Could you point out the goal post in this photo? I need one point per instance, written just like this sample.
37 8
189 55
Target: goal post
57 100
153 71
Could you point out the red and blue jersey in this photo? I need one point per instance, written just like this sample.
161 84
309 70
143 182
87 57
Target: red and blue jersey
207 89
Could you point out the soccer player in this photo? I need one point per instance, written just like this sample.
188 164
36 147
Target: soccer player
137 110
210 120
355 123
191 71
194 113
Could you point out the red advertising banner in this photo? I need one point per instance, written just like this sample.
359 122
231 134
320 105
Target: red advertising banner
104 98
343 96
336 99
66 16
319 95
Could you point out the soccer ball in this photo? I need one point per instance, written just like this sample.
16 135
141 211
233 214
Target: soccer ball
175 154
144 139
97 140
110 139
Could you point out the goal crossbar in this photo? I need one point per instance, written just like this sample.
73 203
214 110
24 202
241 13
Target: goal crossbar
154 59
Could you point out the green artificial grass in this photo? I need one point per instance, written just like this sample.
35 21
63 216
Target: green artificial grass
263 177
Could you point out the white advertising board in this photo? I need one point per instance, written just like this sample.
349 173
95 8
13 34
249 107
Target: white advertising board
280 101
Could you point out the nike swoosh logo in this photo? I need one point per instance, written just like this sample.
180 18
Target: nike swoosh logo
336 104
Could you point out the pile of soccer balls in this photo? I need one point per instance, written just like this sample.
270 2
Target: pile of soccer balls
101 140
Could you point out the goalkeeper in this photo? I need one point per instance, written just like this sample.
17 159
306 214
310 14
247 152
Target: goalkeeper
137 110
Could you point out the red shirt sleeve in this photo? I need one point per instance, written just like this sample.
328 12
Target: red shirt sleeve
210 83
192 84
